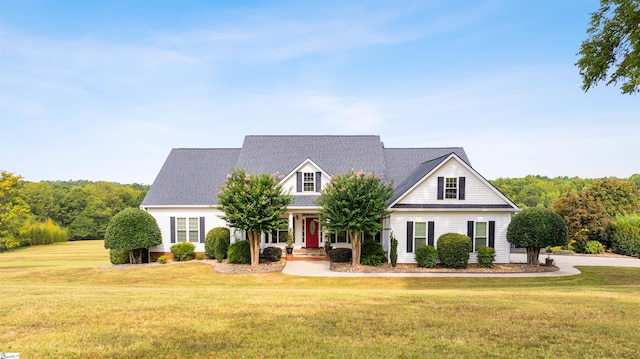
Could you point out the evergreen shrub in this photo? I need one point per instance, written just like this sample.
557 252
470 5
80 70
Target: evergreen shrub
340 255
118 256
163 259
593 247
393 255
183 251
239 253
486 256
272 254
625 237
426 256
372 253
453 249
200 256
216 243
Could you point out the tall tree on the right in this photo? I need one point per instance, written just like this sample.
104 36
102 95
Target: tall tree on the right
613 41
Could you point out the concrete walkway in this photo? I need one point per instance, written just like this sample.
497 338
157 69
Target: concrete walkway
565 263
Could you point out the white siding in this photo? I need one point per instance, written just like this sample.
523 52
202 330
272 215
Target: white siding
456 222
476 190
162 216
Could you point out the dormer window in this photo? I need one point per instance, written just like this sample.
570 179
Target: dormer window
451 188
308 182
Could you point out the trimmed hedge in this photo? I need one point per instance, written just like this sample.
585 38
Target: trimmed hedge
239 253
183 251
486 256
118 256
340 255
272 254
372 253
216 243
453 249
426 256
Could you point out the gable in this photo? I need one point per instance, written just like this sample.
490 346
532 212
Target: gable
472 190
292 181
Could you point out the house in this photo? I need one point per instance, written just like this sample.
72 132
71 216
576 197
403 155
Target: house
437 191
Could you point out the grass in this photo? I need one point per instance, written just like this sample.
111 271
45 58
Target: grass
55 302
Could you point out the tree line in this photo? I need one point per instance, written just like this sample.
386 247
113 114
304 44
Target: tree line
81 209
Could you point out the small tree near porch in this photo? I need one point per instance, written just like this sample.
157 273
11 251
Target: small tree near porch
254 204
536 228
132 229
356 203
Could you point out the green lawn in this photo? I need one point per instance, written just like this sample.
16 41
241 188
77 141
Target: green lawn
54 302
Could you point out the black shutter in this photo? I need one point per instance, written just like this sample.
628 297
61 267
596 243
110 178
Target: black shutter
201 229
299 182
461 187
430 234
470 229
409 237
492 234
318 181
172 226
440 187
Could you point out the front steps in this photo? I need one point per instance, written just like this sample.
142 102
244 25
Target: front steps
308 254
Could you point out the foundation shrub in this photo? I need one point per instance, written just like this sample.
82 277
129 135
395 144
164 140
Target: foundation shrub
239 253
426 256
486 256
340 255
216 243
272 254
393 255
200 256
118 256
372 253
453 249
183 251
593 247
163 259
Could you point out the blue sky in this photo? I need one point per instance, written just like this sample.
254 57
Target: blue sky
103 90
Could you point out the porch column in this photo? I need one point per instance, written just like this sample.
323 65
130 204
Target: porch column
290 221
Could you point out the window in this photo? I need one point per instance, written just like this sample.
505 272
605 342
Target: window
480 238
184 228
308 182
451 187
279 236
340 237
420 234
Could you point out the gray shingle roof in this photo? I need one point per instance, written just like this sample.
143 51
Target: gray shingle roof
192 176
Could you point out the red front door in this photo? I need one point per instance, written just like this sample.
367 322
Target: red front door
311 229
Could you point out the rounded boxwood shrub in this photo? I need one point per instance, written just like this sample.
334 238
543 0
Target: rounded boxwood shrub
216 243
119 256
340 255
239 253
372 253
486 256
272 254
163 259
183 251
593 247
132 229
453 249
426 256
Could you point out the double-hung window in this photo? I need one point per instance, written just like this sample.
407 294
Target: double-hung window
308 182
187 229
420 234
480 237
279 236
451 187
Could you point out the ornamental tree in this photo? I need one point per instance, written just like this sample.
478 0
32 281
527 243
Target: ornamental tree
132 229
536 228
254 204
614 40
355 203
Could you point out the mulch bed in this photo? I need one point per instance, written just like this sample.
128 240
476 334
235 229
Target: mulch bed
263 267
412 268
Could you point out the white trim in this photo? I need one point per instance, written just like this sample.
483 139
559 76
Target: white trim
297 169
454 209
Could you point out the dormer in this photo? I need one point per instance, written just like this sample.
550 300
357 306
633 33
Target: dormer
306 179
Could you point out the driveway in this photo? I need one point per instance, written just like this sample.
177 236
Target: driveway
565 263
